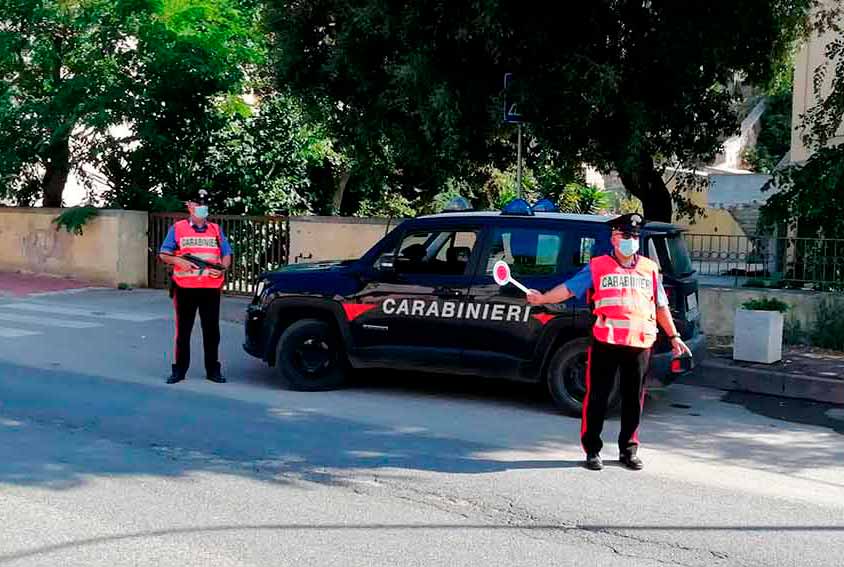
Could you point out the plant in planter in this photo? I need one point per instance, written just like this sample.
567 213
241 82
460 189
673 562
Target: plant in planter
758 332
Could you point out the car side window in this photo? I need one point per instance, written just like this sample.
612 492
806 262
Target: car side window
529 251
438 252
585 251
585 245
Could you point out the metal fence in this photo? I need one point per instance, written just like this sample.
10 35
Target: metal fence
258 244
763 261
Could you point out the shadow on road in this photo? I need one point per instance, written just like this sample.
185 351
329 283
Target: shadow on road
58 427
94 426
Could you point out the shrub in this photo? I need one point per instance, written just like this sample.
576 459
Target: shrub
766 304
828 331
792 332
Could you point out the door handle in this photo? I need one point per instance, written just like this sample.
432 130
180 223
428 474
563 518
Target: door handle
448 292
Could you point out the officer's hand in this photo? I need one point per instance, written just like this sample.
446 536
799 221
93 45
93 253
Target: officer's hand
679 348
184 264
214 273
534 297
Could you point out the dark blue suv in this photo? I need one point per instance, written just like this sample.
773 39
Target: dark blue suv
424 299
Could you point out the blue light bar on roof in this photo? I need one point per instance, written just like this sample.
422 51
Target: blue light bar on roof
457 204
517 207
545 206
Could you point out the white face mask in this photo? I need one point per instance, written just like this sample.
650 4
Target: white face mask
201 212
628 246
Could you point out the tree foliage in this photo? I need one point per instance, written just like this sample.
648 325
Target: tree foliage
74 70
774 139
626 85
810 195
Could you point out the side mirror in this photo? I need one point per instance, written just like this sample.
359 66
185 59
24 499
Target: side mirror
386 264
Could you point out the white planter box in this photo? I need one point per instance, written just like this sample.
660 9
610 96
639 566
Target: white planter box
758 336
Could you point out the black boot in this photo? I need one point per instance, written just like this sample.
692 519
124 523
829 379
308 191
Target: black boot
215 375
175 375
631 461
594 462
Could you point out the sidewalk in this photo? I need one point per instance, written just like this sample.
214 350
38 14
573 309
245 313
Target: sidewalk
19 284
804 372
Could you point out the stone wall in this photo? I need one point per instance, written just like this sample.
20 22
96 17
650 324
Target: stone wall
718 306
313 239
111 250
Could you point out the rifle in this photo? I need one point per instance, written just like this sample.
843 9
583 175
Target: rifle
203 264
199 263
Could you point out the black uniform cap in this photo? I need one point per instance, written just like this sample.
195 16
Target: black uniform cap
631 222
200 197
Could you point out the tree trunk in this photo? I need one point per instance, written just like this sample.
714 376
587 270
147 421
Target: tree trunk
57 171
340 190
646 184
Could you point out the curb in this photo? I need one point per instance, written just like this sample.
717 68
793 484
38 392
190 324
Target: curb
714 374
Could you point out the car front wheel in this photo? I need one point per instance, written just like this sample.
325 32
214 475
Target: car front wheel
311 357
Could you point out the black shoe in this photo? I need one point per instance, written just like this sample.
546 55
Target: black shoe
216 377
175 376
631 461
594 462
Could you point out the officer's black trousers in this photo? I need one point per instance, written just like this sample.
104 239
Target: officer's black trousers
186 302
604 361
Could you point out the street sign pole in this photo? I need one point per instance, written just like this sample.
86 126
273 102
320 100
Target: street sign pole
519 164
512 115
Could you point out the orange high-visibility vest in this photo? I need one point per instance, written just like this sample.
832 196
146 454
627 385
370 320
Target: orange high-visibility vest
205 245
625 301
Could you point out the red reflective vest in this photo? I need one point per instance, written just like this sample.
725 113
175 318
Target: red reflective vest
625 302
205 245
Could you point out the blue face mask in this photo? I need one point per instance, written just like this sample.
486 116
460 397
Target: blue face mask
628 246
201 212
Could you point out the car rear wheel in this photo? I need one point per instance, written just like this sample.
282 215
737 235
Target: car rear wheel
566 378
311 357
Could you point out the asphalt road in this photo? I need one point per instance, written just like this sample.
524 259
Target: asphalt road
101 463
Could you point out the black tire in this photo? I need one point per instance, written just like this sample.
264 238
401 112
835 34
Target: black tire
566 377
310 357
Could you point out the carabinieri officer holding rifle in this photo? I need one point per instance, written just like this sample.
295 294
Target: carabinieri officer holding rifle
200 254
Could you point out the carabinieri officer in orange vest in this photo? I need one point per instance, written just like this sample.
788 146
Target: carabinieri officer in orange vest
629 301
197 288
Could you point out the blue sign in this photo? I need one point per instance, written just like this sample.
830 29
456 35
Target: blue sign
512 115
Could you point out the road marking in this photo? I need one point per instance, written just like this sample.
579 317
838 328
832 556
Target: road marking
76 312
15 333
47 321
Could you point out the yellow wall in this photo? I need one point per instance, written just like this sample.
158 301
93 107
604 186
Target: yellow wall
313 239
713 221
112 250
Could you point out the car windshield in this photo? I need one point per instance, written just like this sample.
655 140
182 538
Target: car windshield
672 254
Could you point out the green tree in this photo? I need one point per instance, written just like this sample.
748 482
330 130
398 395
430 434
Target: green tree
273 160
404 86
774 138
73 70
810 195
625 85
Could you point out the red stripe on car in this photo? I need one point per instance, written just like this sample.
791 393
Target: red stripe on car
355 310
